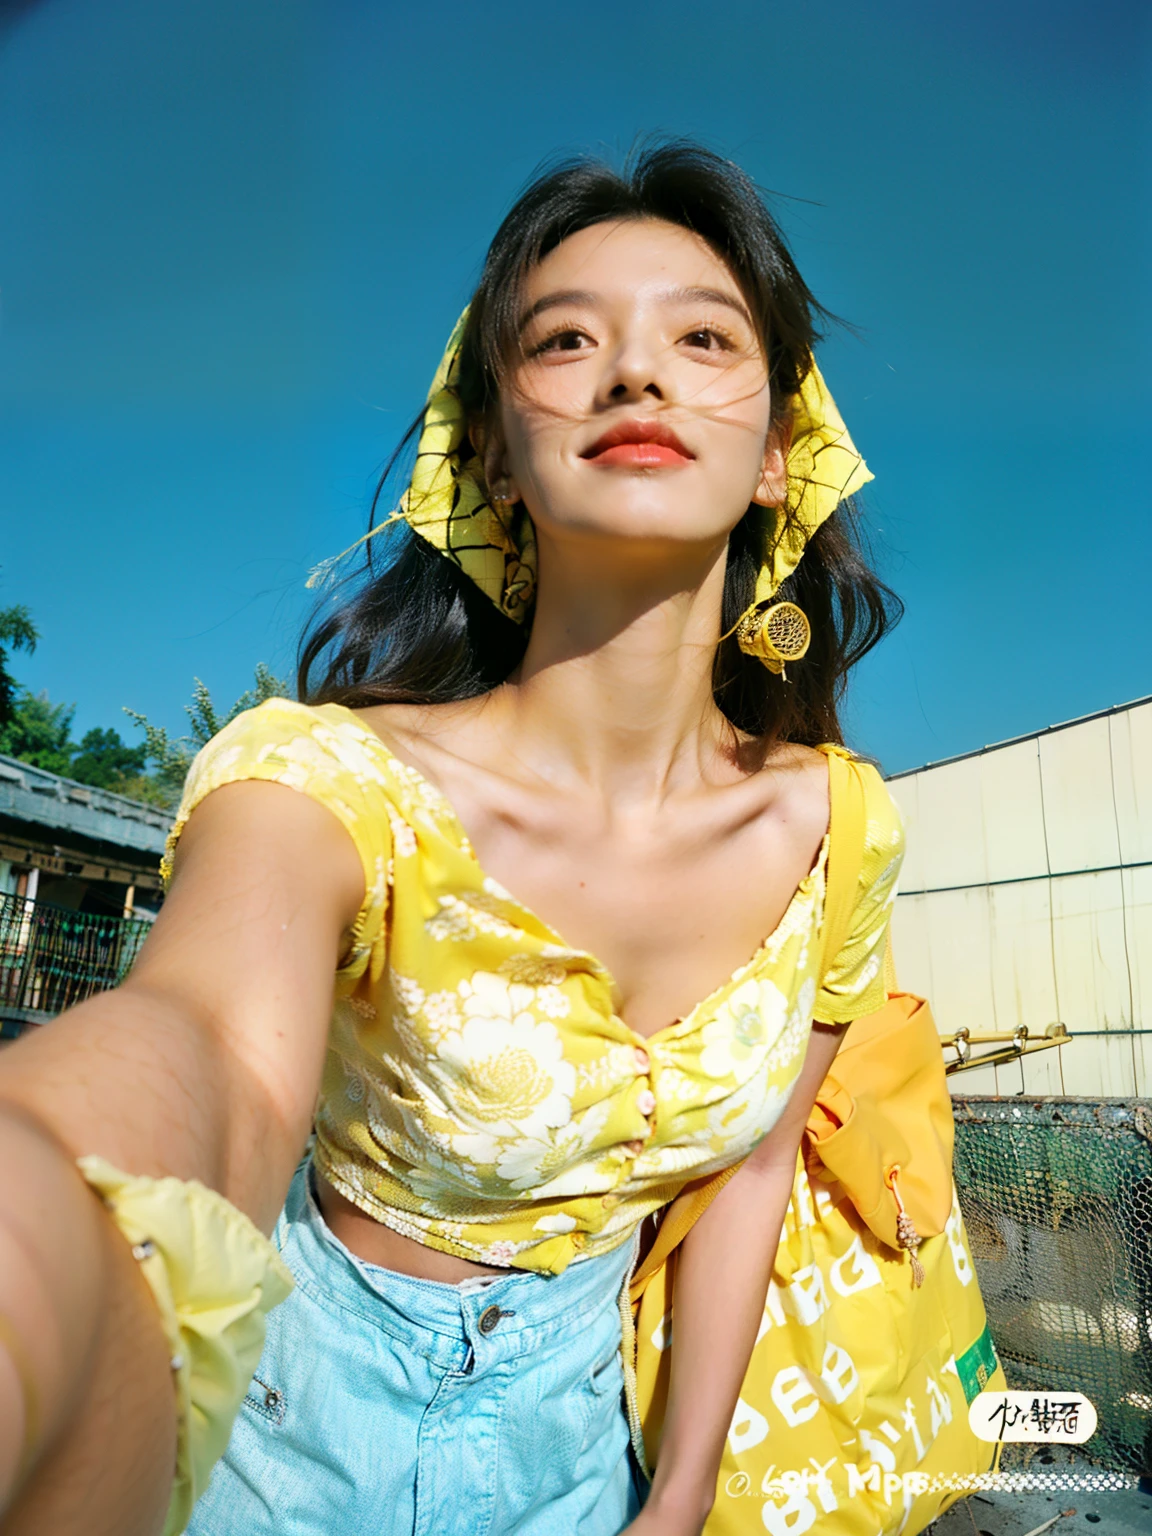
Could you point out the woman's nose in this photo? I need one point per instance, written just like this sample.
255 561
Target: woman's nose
634 372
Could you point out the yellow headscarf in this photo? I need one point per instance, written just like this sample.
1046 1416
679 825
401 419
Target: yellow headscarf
449 505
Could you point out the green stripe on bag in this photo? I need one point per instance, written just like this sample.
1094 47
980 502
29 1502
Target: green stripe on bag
976 1365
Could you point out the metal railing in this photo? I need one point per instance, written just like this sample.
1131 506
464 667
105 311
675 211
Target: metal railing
52 957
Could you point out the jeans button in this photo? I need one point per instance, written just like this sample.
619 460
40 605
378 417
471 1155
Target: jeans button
490 1318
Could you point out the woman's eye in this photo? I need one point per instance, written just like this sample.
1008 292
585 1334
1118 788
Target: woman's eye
708 339
561 341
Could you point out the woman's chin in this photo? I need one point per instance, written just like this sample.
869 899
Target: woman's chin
643 521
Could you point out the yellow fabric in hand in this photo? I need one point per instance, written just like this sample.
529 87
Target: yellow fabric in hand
215 1277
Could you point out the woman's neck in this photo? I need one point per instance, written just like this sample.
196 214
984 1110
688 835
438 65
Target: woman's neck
615 689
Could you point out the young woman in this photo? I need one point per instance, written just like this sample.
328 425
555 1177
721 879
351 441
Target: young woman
529 892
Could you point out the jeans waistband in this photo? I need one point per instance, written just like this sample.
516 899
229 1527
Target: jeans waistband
521 1311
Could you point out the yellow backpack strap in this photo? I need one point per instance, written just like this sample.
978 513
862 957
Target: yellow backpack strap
678 1220
847 822
847 825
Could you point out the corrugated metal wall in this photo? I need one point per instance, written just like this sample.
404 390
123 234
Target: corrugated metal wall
1026 898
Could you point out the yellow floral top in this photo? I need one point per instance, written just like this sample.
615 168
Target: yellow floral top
482 1094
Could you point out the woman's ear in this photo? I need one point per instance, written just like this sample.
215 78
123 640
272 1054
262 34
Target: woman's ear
490 447
772 488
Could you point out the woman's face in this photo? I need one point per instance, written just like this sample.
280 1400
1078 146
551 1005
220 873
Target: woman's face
640 406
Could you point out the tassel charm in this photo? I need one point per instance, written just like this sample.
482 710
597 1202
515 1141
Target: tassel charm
906 1234
909 1239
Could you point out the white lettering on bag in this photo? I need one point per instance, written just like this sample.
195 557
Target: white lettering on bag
802 1204
838 1373
878 1451
747 1429
910 1424
941 1407
854 1270
773 1311
792 1518
805 1296
956 1246
795 1394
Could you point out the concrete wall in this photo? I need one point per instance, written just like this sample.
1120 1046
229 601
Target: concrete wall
1026 898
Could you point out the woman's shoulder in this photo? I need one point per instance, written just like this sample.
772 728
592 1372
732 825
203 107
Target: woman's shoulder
322 750
284 732
883 820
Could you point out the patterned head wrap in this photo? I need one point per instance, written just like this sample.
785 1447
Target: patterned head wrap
449 505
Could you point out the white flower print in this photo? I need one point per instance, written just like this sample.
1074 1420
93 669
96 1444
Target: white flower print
508 1072
227 758
408 993
552 1003
614 1067
794 1038
438 1172
355 747
441 1013
556 1167
738 1122
501 1252
464 921
558 1222
797 920
403 837
744 1026
677 1085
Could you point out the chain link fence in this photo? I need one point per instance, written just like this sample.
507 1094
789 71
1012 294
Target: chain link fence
1057 1200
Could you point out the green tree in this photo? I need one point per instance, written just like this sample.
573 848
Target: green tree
18 632
172 756
39 732
104 760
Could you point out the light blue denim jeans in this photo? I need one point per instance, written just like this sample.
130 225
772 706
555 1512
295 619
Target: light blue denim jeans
392 1406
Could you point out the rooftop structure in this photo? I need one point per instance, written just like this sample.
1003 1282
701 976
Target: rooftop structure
79 884
1026 900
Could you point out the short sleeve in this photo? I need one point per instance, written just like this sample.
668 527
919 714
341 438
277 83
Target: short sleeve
853 984
325 753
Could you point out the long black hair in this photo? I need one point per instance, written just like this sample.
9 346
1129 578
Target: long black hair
418 631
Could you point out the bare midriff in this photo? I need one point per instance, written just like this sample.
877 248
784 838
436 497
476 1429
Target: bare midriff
372 1241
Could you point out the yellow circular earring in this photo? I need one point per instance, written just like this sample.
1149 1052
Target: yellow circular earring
776 633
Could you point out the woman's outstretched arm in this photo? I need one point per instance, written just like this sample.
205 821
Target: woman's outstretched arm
204 1064
722 1274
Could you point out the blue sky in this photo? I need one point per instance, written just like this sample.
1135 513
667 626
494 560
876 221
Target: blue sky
235 233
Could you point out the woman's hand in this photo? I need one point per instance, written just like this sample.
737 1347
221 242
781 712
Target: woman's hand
665 1522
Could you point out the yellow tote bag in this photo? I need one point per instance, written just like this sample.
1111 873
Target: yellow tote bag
855 1400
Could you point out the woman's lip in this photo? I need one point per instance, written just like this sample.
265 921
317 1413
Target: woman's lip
640 456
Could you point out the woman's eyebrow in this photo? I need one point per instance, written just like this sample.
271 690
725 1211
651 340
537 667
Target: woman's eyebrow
667 296
707 296
554 301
